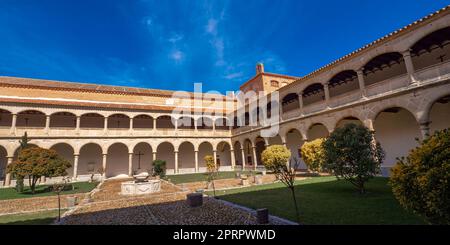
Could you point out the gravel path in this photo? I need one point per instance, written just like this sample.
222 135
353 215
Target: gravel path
168 207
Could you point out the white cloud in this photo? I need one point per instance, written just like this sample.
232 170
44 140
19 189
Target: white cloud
211 27
234 75
177 56
175 38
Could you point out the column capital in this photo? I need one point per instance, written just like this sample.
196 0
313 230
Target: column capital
407 52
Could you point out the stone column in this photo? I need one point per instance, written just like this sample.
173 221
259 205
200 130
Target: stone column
13 124
327 94
77 127
104 164
409 66
154 124
195 125
196 161
424 129
362 85
176 162
255 159
233 159
214 126
105 125
75 166
8 176
300 101
244 158
131 124
130 164
47 124
176 124
215 158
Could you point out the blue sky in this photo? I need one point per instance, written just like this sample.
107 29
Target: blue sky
170 44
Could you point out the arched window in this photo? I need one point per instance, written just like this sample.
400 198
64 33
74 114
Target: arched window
432 49
383 67
274 83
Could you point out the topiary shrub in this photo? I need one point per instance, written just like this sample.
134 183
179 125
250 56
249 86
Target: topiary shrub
421 181
351 153
313 154
159 168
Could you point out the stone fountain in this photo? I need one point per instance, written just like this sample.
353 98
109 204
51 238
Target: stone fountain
141 185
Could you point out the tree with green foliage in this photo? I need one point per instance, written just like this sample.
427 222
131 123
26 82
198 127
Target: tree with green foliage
421 181
159 168
212 171
352 153
37 162
23 145
277 159
313 154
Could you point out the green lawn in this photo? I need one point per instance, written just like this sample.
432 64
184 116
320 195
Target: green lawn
43 190
187 178
38 218
325 200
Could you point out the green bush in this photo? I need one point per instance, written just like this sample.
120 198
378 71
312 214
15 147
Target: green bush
421 181
313 154
159 168
351 153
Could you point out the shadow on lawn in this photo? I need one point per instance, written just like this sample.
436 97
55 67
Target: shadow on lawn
38 221
326 200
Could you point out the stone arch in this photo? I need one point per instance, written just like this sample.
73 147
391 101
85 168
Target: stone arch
31 118
205 148
118 121
90 160
313 93
260 146
165 122
222 123
142 158
431 49
143 121
248 152
63 119
67 152
92 120
117 160
3 162
294 141
317 130
290 102
238 153
186 154
343 82
5 118
383 67
438 114
186 122
205 123
348 119
396 129
223 149
166 151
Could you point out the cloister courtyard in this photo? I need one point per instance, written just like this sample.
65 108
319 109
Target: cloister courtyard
323 200
132 155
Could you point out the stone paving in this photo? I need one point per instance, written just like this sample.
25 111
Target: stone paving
167 207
